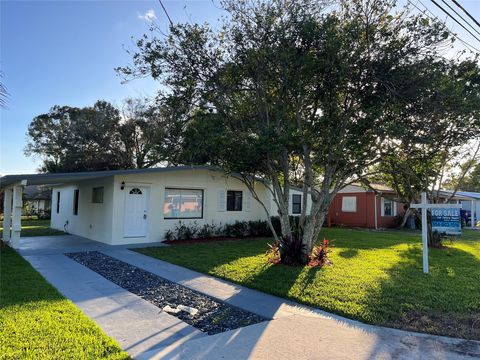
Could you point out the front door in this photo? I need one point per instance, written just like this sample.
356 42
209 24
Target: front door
135 221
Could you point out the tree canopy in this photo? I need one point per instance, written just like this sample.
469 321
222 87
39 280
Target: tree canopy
100 137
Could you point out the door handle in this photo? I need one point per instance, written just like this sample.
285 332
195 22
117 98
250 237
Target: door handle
144 216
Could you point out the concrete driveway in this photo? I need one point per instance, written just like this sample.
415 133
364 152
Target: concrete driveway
294 331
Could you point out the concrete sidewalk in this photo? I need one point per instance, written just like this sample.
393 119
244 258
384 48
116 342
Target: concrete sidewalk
296 332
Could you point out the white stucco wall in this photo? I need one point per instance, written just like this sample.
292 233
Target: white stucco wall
105 222
94 220
210 182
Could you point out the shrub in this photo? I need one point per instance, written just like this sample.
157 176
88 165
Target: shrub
238 229
169 236
294 223
292 250
44 215
259 228
207 231
186 232
319 256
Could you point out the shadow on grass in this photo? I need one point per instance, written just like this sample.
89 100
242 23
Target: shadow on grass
444 302
348 254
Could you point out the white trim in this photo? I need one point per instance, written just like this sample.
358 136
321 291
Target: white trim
349 202
382 207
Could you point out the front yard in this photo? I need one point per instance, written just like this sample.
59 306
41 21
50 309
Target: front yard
376 277
36 322
36 228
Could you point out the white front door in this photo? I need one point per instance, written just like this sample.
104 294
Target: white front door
136 216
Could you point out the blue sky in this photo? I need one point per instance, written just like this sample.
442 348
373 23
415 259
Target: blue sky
65 52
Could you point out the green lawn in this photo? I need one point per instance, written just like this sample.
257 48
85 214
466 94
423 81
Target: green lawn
376 277
36 322
37 228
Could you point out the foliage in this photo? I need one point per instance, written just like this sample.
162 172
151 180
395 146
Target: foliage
237 229
77 139
471 181
292 250
206 231
296 94
36 322
377 277
169 235
185 231
319 256
100 137
259 228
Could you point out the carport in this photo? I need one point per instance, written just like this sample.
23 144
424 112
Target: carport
13 186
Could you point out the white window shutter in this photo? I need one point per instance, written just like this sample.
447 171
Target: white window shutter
248 201
221 200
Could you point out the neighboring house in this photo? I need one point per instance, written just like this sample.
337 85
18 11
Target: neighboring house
36 199
358 206
470 202
139 206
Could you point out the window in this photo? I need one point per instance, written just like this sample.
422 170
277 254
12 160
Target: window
183 204
296 204
97 195
349 204
388 207
234 200
75 201
58 202
135 191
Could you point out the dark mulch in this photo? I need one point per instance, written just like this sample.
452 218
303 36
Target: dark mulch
207 240
213 316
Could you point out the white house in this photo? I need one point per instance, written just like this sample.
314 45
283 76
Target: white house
139 206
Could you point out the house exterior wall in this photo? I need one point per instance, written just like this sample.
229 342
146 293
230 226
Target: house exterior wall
212 183
105 221
94 220
364 216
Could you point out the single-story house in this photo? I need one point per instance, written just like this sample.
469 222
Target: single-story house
138 206
470 201
36 199
358 206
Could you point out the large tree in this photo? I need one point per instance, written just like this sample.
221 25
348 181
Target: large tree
77 139
293 93
435 134
102 137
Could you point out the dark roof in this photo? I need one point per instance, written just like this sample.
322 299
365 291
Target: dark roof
35 192
72 177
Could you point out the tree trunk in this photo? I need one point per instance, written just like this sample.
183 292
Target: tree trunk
406 215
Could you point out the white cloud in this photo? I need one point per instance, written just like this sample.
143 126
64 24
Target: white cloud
149 16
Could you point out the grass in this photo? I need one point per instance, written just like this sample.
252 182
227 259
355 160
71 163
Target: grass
376 278
37 228
36 322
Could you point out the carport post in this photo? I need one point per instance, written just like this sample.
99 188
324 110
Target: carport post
7 213
16 216
474 208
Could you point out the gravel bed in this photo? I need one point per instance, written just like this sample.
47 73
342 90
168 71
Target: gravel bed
213 316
